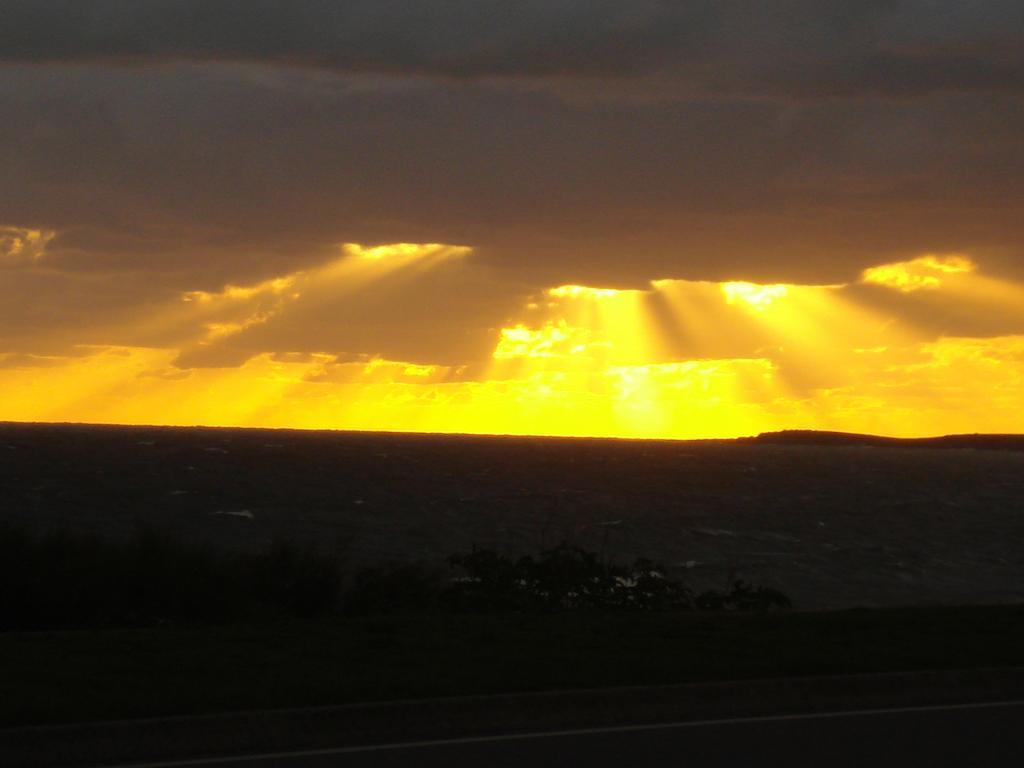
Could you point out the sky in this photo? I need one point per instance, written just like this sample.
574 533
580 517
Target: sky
574 217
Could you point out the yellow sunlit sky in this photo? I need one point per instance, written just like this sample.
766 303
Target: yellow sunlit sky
585 217
672 359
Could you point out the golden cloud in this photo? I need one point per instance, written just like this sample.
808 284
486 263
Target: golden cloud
20 245
925 272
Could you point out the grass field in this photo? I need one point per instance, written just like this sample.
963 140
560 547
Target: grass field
51 677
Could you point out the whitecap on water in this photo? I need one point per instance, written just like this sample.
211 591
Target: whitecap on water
243 513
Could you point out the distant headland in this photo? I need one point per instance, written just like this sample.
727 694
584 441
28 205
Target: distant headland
824 438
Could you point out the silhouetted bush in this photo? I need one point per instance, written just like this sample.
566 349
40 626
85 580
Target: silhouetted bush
561 579
57 580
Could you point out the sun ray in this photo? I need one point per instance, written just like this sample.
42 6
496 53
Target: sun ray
677 359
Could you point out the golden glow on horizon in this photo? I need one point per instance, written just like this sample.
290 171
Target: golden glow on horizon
981 381
679 359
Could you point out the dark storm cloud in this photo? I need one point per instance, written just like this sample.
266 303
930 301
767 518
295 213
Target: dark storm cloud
440 37
800 47
219 175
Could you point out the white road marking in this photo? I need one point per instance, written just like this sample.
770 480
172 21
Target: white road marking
565 733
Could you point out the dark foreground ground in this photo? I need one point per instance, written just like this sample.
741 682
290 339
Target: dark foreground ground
977 736
848 523
832 522
967 717
113 674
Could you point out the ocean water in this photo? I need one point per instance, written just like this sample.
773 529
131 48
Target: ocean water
832 527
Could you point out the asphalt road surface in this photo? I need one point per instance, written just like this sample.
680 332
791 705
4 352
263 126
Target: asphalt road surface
966 735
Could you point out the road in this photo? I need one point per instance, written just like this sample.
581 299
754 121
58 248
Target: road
964 735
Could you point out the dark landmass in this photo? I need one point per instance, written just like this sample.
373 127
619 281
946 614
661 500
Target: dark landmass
823 438
831 526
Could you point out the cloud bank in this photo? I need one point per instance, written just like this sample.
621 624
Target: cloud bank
805 48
